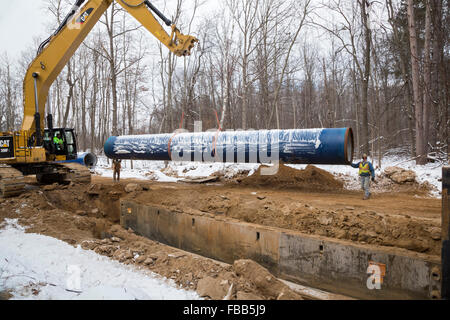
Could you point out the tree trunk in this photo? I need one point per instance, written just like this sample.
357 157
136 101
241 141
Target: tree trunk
69 95
112 66
427 101
365 77
420 145
441 89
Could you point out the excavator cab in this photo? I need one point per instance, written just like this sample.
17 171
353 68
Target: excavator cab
61 142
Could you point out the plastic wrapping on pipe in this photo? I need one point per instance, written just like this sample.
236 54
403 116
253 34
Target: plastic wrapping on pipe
306 146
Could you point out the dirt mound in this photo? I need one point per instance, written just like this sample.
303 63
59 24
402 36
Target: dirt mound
387 184
388 219
311 178
266 283
246 280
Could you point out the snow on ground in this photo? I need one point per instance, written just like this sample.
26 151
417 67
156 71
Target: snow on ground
152 170
147 170
139 171
37 267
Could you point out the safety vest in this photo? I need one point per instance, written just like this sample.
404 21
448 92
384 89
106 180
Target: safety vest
56 140
364 169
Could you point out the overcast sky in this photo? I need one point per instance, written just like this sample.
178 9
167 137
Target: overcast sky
20 21
23 20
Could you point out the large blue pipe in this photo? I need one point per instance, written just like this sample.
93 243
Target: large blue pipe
308 146
85 159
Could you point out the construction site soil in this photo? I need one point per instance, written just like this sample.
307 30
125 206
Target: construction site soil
311 201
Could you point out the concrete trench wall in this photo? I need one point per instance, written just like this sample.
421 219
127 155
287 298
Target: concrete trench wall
323 263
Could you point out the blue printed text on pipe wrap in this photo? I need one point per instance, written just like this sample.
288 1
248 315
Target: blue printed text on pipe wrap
307 146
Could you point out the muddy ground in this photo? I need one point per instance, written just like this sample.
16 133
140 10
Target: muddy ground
310 201
314 202
88 215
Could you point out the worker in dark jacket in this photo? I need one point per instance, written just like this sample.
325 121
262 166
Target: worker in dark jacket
365 172
117 165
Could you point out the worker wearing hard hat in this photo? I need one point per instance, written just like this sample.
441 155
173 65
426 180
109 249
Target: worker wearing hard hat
365 172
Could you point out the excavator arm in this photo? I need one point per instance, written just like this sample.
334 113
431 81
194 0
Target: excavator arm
179 44
55 52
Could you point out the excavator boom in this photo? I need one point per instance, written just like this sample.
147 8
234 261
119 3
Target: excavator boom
55 52
52 153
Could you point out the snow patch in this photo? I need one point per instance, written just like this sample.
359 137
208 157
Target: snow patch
154 170
36 267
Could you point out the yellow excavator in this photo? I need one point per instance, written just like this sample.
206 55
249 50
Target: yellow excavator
50 153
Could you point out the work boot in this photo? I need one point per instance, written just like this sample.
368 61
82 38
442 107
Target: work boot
365 198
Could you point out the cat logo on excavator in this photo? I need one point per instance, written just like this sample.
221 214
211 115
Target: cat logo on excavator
4 143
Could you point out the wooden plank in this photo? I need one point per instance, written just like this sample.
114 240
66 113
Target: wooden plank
314 294
199 179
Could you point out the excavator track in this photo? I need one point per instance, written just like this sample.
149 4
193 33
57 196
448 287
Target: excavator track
12 182
76 173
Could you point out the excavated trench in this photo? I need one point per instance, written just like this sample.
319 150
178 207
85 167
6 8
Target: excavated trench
304 235
88 216
334 265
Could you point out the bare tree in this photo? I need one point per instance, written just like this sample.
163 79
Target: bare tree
304 9
417 92
245 13
260 65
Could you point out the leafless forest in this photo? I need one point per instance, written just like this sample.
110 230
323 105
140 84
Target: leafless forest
380 67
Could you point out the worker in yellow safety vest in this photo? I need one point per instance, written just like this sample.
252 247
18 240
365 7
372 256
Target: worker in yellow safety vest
366 171
59 143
